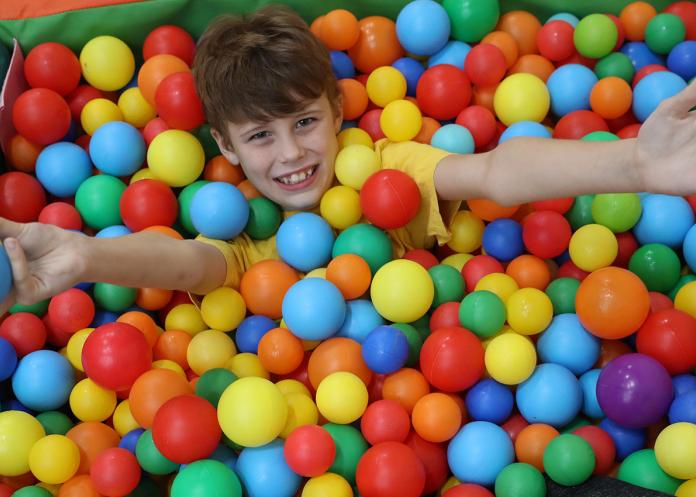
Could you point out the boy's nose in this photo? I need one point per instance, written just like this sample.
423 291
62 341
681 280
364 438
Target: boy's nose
291 149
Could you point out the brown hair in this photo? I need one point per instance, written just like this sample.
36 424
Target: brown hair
261 66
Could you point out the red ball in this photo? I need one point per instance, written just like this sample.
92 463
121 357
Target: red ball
620 31
468 490
6 490
434 459
669 336
186 429
443 91
480 122
170 39
627 246
422 257
477 267
146 203
647 70
61 214
560 205
53 336
115 355
390 199
177 102
390 469
79 98
452 359
385 421
569 270
153 128
41 115
25 331
630 131
21 197
369 122
71 311
686 11
310 450
514 425
53 66
602 445
115 472
658 302
579 123
485 65
445 315
555 40
616 125
546 234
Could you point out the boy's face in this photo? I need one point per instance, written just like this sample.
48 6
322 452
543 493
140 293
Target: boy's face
290 160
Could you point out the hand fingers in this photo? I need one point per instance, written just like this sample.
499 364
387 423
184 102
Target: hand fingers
680 104
7 303
23 285
9 228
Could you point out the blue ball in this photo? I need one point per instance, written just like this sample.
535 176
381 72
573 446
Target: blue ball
250 331
552 395
568 343
104 317
683 408
641 55
342 65
490 401
385 350
454 138
479 452
590 404
265 473
682 59
5 274
423 27
219 210
683 383
62 167
117 148
689 248
225 455
43 380
652 90
666 219
564 16
71 135
130 440
15 405
361 318
412 71
349 124
304 241
502 239
113 231
8 359
314 309
453 53
524 128
570 87
626 440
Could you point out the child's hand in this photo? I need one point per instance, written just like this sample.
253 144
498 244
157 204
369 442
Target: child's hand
45 260
666 146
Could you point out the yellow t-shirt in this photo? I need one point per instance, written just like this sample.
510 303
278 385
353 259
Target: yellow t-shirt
430 225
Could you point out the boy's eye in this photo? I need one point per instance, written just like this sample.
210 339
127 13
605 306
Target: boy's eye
305 121
259 135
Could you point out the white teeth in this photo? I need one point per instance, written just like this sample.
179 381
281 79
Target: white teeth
296 178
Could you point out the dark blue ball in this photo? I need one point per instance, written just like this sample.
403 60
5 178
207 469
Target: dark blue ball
489 400
342 65
385 349
502 239
250 331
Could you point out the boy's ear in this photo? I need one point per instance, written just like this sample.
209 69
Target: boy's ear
227 152
338 120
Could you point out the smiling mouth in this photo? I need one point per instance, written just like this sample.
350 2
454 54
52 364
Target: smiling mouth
297 177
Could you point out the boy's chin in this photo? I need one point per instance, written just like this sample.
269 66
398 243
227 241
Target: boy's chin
297 202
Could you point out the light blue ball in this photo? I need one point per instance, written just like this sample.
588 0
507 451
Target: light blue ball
590 404
412 71
552 395
568 343
689 248
453 53
479 452
385 350
219 210
570 87
5 274
423 27
666 219
8 359
361 318
305 241
117 148
113 231
652 90
342 65
264 472
524 128
454 138
314 309
490 401
62 167
641 55
43 380
564 16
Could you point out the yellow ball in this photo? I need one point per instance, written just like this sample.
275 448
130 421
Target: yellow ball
185 317
401 120
593 247
467 232
499 283
451 482
319 272
136 110
402 291
521 97
687 489
293 386
176 157
342 397
685 300
327 485
107 63
97 112
124 421
90 402
19 432
170 365
301 411
247 364
385 84
252 412
529 311
54 459
340 206
74 349
144 173
510 358
223 309
209 349
356 163
675 450
457 261
354 136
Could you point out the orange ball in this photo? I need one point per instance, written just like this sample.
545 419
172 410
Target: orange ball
610 350
505 42
315 27
339 30
264 285
611 97
92 438
523 27
489 210
173 345
280 352
154 70
354 98
612 303
78 486
153 299
377 44
248 190
428 128
406 386
537 65
436 417
483 96
22 154
151 390
351 274
531 443
144 323
337 354
220 169
529 271
635 17
165 230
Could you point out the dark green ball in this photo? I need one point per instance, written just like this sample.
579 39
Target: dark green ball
616 64
54 422
657 265
39 309
150 458
449 284
471 20
264 218
683 280
569 460
185 198
664 32
210 146
641 469
580 213
350 446
206 477
367 241
114 298
415 342
520 480
562 293
213 383
483 313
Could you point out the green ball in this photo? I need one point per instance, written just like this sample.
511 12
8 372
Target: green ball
663 32
54 422
617 211
213 382
210 146
471 20
350 446
150 458
616 64
683 280
657 265
483 313
415 342
185 199
97 200
600 136
367 241
114 298
449 284
641 469
580 213
520 480
569 460
422 325
562 293
264 218
39 309
206 477
577 422
32 491
595 36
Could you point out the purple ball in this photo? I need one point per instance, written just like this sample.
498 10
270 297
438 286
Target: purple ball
634 390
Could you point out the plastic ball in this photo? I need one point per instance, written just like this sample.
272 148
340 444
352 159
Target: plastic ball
351 274
176 157
310 451
62 167
148 203
70 311
567 343
384 85
342 397
354 164
377 45
486 439
443 91
213 221
490 401
402 291
520 479
305 241
555 40
153 389
681 59
652 90
570 87
483 313
412 71
471 20
41 115
657 265
264 471
169 39
339 29
569 460
177 102
97 200
91 402
304 300
98 112
595 36
53 66
401 120
642 469
264 218
385 350
264 286
384 421
107 63
502 239
551 395
20 431
390 199
663 32
593 247
115 472
524 128
454 53
521 97
452 359
327 484
666 335
423 27
453 138
117 148
529 311
43 380
673 450
135 109
54 459
390 469
617 211
655 227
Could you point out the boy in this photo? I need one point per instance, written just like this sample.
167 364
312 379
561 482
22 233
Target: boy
271 98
